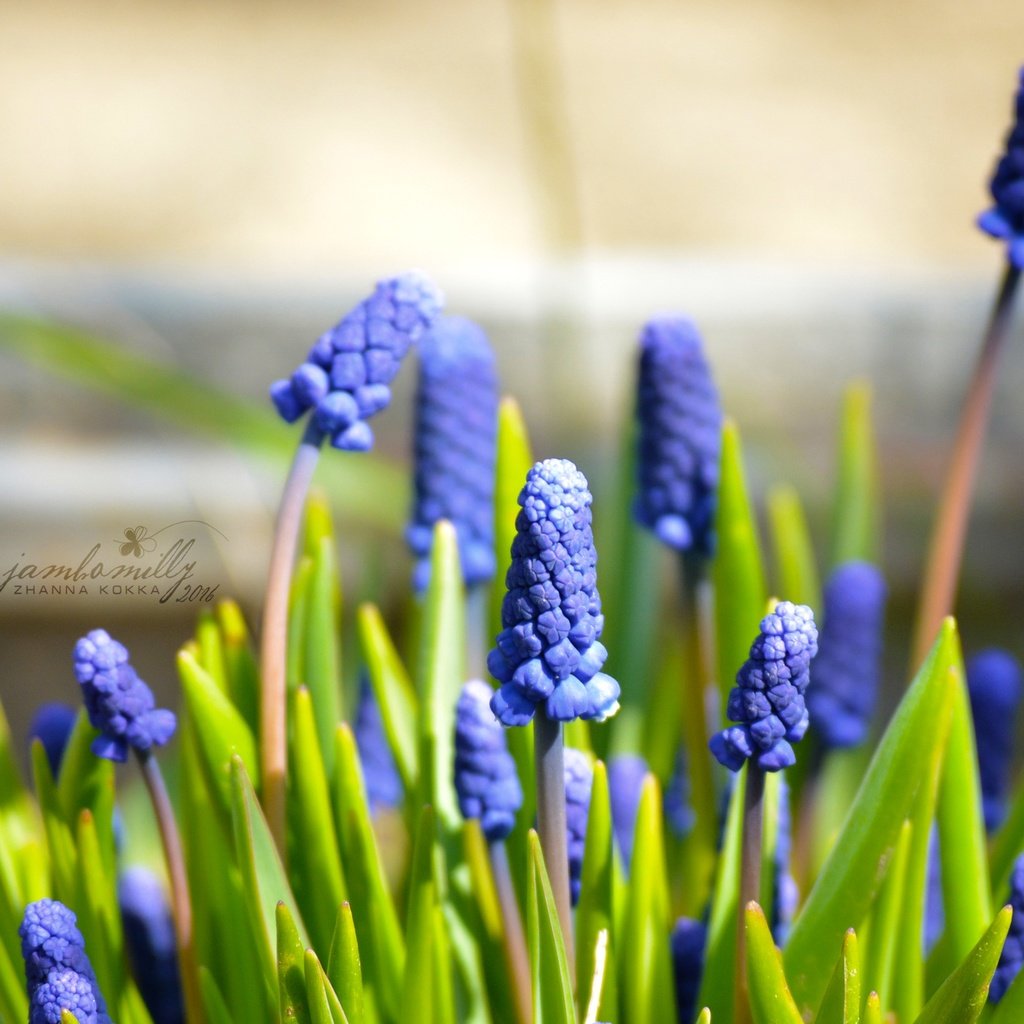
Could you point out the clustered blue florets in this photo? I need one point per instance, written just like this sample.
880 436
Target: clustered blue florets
579 781
380 773
680 421
456 429
847 668
1005 219
485 773
119 703
1012 957
52 725
549 654
346 375
57 969
768 698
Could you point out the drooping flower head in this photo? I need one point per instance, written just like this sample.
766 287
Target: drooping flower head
380 773
680 421
549 654
52 725
456 431
579 781
1012 956
994 684
485 773
848 665
150 941
626 774
768 698
687 943
1005 219
346 375
119 703
57 969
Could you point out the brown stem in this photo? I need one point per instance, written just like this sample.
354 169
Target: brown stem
750 880
516 958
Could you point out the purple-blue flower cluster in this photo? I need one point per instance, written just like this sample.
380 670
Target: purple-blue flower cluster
767 701
579 781
680 421
687 944
626 774
679 813
57 968
848 665
346 375
52 725
119 703
380 773
1012 957
456 432
485 774
1005 219
549 654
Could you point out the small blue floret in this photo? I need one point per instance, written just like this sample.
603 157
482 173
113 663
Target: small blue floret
1005 220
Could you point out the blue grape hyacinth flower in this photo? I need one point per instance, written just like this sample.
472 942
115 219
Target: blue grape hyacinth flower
380 773
767 701
549 654
688 940
57 969
994 685
1012 956
626 774
1005 219
455 437
119 703
346 375
680 436
679 812
486 782
848 665
52 725
579 782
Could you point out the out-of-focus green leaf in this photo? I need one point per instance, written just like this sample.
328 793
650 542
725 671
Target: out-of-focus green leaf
399 708
344 968
705 1017
239 663
298 603
443 988
67 1017
962 996
872 1010
211 649
1009 1009
549 966
770 998
213 1002
881 954
841 1004
796 571
417 986
849 879
441 675
59 841
855 515
737 569
291 984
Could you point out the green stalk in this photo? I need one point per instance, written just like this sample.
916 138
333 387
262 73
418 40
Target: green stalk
514 939
750 879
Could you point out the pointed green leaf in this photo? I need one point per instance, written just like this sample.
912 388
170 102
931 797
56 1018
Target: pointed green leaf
59 841
796 571
443 989
549 967
881 953
239 663
705 1016
962 996
317 986
211 650
67 1017
291 984
850 877
213 1002
841 1004
872 1010
770 999
344 969
298 602
417 986
855 516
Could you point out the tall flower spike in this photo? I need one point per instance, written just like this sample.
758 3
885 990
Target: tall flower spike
549 654
1012 956
485 773
346 375
119 703
626 774
380 774
455 437
57 968
848 665
768 698
579 781
687 943
1005 219
680 422
994 684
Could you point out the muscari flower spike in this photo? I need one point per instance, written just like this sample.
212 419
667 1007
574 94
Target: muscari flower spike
994 684
848 665
579 781
380 773
549 654
680 422
346 375
52 725
485 774
1005 220
687 944
119 703
1012 956
679 813
150 941
768 698
58 973
455 437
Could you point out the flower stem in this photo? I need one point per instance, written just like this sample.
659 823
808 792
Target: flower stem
181 903
273 639
516 957
551 826
947 544
750 879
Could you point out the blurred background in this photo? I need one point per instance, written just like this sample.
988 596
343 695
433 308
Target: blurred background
191 193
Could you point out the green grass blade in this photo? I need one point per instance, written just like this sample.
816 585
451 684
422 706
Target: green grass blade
344 967
882 950
841 1004
239 663
60 843
213 1002
322 1008
796 571
211 649
418 983
705 1017
872 1010
549 966
770 998
855 518
443 986
291 982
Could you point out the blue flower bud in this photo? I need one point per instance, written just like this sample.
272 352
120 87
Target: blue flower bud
52 725
119 703
1012 956
688 940
380 774
1005 219
626 774
994 684
768 698
549 651
346 375
848 665
485 774
579 781
680 421
456 432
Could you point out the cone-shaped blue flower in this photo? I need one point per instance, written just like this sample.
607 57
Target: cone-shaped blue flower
52 725
1005 219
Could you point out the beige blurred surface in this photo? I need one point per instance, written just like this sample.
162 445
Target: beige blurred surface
289 138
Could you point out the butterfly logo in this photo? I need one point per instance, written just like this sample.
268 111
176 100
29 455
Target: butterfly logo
136 541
